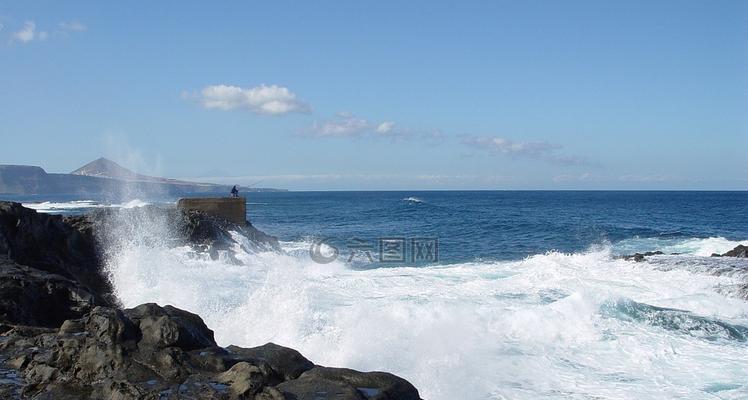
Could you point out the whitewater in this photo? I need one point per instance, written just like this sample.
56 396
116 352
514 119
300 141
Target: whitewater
583 324
554 325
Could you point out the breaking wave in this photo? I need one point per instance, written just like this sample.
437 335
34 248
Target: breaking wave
552 325
414 200
692 246
675 320
82 205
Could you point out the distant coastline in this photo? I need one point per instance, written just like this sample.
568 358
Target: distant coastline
101 177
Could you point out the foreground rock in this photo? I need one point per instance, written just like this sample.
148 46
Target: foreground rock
55 266
62 335
51 245
153 352
32 297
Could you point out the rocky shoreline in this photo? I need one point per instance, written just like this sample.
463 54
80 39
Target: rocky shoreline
740 251
64 335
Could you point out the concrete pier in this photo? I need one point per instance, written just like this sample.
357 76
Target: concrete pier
232 209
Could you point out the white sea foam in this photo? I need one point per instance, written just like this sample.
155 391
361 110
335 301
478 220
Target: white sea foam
132 204
52 207
694 246
413 200
543 327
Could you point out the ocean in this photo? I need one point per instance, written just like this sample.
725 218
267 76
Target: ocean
476 295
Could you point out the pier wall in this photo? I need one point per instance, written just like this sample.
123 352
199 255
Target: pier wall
233 209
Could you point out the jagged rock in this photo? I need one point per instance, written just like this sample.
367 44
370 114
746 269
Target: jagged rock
32 297
244 379
638 257
740 251
151 352
289 363
106 325
63 337
48 243
367 385
170 326
305 388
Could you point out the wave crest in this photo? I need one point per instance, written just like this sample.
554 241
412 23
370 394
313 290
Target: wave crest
672 319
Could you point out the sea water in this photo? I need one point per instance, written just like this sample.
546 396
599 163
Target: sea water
523 296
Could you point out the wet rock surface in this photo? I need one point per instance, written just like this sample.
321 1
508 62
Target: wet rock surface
38 298
62 335
50 244
740 251
730 264
153 352
202 232
639 257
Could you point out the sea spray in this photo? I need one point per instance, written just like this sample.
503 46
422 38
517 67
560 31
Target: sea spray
534 328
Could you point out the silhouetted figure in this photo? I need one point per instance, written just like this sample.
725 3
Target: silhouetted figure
234 192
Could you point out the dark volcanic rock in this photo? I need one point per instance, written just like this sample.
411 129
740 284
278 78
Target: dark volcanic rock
151 352
62 336
289 363
32 297
47 243
638 257
338 382
170 326
739 251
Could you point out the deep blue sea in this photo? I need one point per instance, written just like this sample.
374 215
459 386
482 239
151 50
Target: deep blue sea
502 225
473 295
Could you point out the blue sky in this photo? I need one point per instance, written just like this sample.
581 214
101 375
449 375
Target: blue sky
383 95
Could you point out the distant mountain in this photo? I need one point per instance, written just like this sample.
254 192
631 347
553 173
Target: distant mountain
100 177
106 168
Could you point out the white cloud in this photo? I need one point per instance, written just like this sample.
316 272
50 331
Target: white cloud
30 33
274 100
385 127
27 33
539 149
342 125
509 147
345 124
72 26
